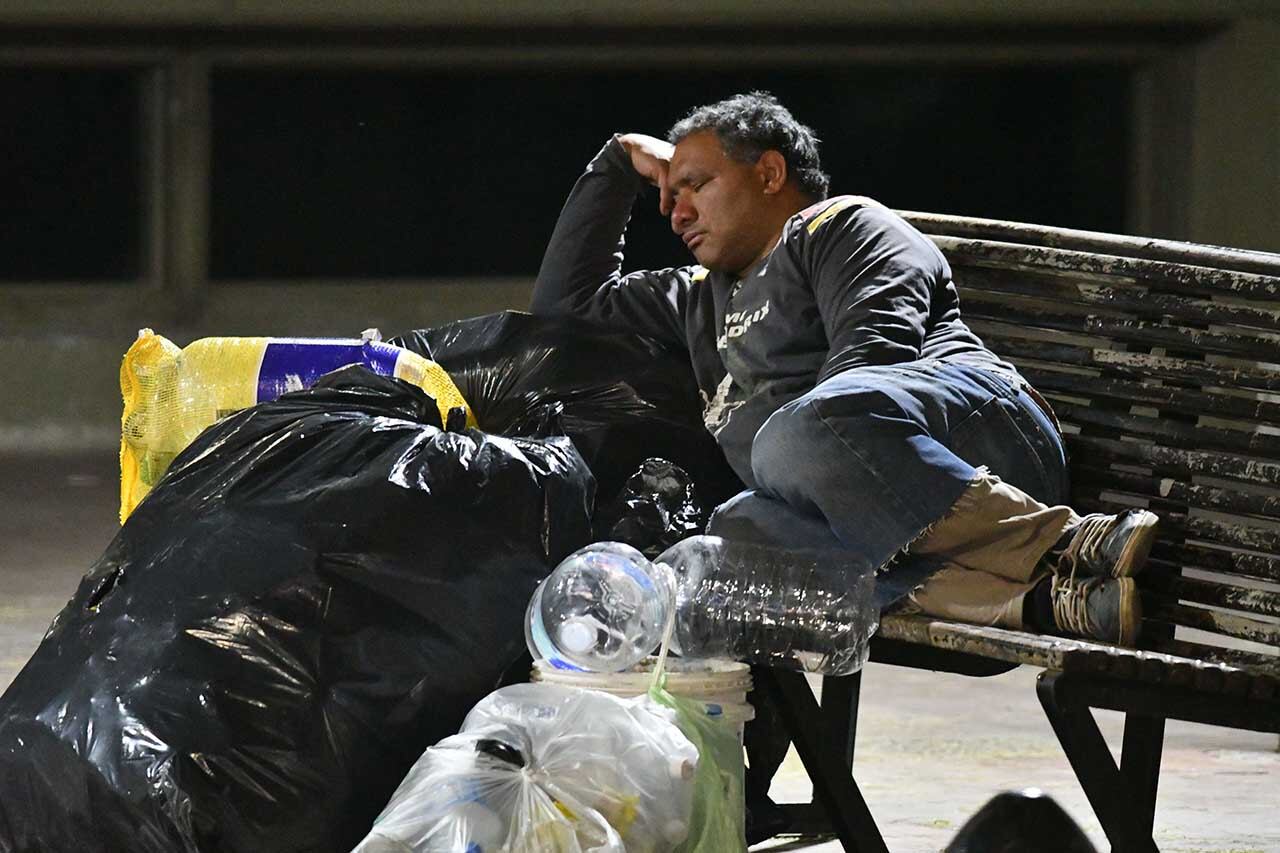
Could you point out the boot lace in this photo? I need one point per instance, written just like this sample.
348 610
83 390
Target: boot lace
1086 542
1070 609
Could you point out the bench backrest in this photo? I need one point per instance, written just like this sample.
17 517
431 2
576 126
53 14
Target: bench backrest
1162 361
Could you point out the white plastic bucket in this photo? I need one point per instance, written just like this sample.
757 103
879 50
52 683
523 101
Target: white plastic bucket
721 684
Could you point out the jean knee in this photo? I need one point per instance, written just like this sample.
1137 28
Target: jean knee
752 516
784 446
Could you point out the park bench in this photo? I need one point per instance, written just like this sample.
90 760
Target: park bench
1162 361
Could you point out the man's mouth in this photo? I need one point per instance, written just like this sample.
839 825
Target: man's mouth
692 240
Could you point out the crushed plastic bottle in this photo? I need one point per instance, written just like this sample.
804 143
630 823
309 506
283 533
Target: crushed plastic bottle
605 607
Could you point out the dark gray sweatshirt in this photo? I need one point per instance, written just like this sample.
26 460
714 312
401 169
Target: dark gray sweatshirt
849 284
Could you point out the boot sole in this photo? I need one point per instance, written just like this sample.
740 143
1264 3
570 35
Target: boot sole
1130 613
1136 550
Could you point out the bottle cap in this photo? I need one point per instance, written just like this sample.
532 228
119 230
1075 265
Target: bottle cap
501 751
576 635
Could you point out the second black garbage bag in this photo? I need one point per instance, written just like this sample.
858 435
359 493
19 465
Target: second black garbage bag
319 588
622 398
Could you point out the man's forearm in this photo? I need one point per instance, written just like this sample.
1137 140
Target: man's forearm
585 251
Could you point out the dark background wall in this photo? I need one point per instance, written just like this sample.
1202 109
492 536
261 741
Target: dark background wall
362 173
282 168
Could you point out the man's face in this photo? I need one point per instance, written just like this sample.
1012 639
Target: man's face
718 204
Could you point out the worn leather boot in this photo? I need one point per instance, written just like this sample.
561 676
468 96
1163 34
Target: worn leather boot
1098 545
1107 609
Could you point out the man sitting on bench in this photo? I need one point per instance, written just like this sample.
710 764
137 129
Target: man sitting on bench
840 380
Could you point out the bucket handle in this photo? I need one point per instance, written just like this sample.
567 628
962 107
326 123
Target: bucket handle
659 669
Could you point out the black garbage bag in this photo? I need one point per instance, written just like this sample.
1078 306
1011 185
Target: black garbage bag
658 506
623 398
319 588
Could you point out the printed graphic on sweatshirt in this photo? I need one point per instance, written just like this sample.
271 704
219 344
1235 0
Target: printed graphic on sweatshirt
716 410
737 324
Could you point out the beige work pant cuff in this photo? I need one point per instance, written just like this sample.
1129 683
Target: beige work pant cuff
991 543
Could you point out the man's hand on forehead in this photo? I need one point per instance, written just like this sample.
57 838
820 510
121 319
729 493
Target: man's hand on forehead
651 158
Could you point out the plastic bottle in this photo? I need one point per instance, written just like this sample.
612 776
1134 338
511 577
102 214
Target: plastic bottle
604 608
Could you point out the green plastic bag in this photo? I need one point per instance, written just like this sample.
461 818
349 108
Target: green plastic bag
718 822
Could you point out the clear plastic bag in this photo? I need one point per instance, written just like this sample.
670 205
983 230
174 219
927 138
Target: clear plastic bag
545 768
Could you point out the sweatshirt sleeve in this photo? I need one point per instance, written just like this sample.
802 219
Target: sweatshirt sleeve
873 277
581 272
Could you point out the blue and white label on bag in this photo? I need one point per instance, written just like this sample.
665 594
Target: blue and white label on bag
291 364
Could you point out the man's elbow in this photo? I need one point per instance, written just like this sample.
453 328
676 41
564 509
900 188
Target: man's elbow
539 305
546 304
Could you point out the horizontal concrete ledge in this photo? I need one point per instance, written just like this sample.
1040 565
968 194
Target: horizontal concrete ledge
58 437
61 346
224 14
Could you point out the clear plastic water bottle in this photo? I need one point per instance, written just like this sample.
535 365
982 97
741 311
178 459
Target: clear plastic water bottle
604 607
809 610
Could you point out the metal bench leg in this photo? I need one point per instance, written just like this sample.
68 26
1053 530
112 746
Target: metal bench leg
833 785
1140 762
840 712
1117 806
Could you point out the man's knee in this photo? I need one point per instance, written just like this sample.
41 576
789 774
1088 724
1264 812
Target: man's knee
806 434
786 444
751 516
735 518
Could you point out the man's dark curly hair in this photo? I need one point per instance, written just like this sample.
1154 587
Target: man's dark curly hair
751 124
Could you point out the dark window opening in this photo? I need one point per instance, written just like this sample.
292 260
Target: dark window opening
70 168
462 173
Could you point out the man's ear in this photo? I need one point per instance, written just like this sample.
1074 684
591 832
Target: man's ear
772 169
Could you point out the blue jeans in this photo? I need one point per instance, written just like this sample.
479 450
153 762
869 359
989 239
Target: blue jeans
868 459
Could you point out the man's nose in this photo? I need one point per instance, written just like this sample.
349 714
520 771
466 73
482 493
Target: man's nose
683 215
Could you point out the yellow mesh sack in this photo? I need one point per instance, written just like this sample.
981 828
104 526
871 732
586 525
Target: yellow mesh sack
171 395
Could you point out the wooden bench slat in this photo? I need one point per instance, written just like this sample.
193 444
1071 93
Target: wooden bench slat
1129 298
1238 563
1179 492
981 308
964 252
1070 655
1092 450
1244 599
1161 609
1168 432
998 643
1031 334
1161 396
1250 661
1139 365
1266 540
1122 245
